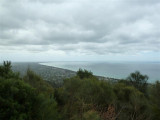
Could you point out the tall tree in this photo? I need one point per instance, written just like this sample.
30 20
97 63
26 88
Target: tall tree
138 80
6 71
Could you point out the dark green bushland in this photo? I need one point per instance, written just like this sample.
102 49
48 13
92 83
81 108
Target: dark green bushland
83 97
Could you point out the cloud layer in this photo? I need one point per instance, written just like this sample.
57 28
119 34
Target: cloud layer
80 26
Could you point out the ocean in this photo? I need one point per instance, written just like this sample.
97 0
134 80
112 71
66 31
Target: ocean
119 70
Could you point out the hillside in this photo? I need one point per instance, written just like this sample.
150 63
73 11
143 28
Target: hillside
48 73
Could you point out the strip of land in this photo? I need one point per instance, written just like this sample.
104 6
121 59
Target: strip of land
48 73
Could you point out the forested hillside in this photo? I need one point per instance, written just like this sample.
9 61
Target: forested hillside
82 97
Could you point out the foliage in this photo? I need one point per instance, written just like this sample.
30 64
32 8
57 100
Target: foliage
20 101
6 71
155 100
138 80
84 73
48 106
82 97
130 103
91 115
37 82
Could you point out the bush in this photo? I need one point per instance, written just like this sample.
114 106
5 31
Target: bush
139 81
84 74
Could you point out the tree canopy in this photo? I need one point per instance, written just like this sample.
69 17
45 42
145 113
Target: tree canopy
82 97
22 100
138 80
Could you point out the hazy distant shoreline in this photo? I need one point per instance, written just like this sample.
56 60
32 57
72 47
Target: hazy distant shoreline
114 70
48 73
99 77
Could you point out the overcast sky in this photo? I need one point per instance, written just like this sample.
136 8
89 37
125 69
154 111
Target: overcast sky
76 30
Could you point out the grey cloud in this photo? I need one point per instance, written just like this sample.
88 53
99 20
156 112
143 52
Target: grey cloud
143 2
88 26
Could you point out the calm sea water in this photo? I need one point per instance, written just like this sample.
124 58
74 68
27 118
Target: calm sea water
113 69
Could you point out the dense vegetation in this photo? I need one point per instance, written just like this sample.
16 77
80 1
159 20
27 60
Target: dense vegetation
82 97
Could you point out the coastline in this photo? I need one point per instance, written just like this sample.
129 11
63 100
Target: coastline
111 70
49 73
99 77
